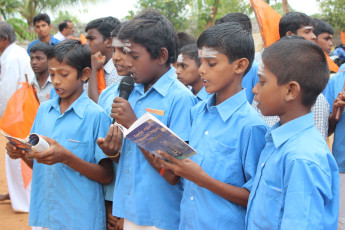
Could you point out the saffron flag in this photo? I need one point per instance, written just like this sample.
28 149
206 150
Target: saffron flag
18 119
331 64
342 37
268 21
100 80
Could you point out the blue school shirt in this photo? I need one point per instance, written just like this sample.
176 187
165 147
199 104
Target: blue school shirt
62 198
53 41
333 88
297 181
105 100
228 139
202 94
249 81
141 195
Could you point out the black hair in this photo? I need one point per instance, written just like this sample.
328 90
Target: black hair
185 39
63 25
192 52
73 53
322 27
7 31
153 31
41 46
293 21
240 18
301 61
292 37
41 17
231 40
116 31
104 26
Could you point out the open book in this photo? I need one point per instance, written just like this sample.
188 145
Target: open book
152 135
33 142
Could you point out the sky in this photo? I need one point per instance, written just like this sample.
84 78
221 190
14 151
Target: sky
120 9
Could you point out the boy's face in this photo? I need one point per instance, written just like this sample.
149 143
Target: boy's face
95 41
324 40
217 74
42 29
268 93
119 59
142 67
39 62
187 70
65 80
307 32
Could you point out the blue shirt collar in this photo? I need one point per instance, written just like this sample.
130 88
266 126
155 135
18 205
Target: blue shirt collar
229 106
78 106
202 94
162 85
281 133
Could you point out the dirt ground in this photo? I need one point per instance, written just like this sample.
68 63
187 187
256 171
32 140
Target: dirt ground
9 220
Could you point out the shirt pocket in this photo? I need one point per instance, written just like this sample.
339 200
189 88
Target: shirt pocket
270 208
222 162
81 149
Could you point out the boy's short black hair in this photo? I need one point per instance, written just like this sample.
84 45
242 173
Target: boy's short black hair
192 52
73 53
116 31
63 25
153 31
240 18
40 46
104 26
301 61
322 27
41 17
231 40
293 21
185 39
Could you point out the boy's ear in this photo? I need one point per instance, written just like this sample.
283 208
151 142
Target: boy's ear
108 42
85 74
289 33
241 65
293 91
163 55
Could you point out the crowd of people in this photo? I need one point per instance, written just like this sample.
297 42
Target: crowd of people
258 122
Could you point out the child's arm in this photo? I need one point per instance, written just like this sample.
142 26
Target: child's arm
339 102
16 153
112 143
97 62
56 153
193 172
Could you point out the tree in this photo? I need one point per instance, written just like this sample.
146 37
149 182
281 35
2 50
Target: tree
8 8
333 12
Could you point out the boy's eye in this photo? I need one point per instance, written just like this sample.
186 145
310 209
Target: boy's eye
64 74
261 82
211 64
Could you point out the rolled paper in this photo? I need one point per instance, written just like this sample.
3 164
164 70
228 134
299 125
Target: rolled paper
37 142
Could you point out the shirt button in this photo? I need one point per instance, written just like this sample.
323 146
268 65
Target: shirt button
139 102
129 147
127 171
127 193
263 164
206 132
51 185
191 198
52 207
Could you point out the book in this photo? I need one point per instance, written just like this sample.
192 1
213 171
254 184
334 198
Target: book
152 135
33 142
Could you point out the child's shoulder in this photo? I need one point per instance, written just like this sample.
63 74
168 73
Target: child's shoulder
109 91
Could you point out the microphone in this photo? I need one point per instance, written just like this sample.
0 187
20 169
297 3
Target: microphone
125 88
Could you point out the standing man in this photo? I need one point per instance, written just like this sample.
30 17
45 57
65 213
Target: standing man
100 42
66 30
14 64
43 29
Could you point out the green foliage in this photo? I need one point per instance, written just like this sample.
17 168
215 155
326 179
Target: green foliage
8 7
333 12
21 29
64 15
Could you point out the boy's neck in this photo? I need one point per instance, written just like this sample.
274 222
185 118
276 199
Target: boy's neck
197 86
294 111
159 74
65 103
42 78
45 38
228 92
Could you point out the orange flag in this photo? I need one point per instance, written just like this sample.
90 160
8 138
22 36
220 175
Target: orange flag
18 119
100 80
268 21
331 65
82 39
342 37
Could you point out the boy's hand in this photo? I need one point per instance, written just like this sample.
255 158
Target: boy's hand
122 112
338 104
186 168
56 153
112 142
97 61
13 152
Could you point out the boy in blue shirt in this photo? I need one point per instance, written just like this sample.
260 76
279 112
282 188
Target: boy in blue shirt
66 192
335 96
297 181
142 196
227 133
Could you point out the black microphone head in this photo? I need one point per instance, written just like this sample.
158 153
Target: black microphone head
126 87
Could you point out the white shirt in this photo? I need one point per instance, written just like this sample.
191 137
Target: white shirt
14 64
59 36
43 93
